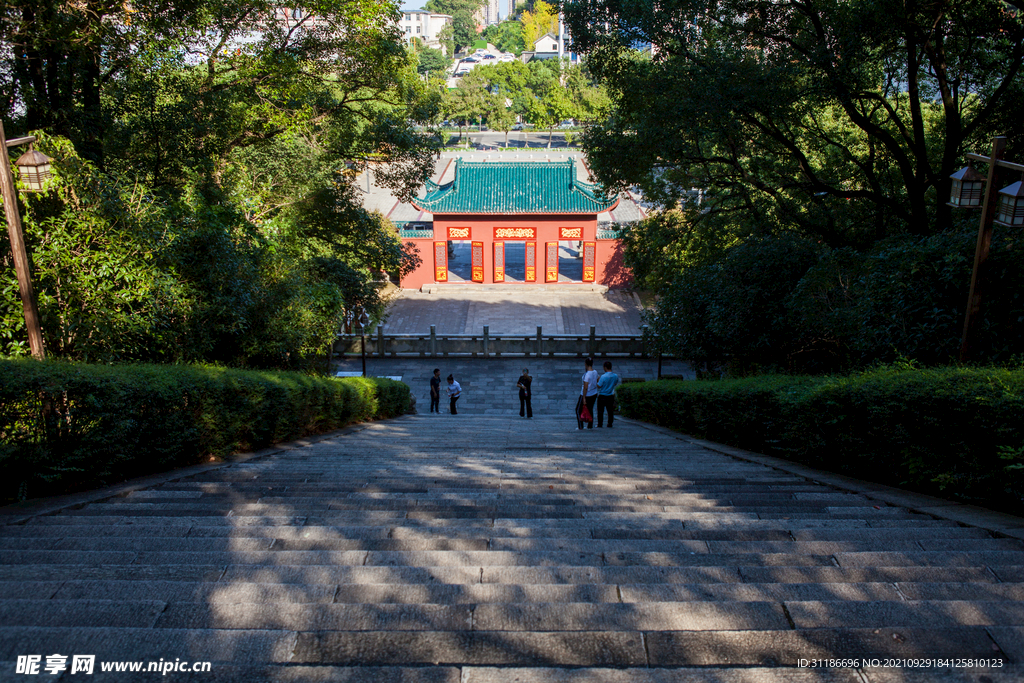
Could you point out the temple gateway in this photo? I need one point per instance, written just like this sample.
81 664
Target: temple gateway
507 222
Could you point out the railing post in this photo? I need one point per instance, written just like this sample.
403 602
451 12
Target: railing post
487 334
433 341
592 345
643 341
380 341
540 341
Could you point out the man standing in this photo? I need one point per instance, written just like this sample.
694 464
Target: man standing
435 391
525 395
606 394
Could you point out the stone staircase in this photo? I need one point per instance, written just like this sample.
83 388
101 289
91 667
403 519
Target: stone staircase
478 549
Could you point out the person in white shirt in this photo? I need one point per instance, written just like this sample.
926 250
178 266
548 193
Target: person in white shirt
588 395
454 391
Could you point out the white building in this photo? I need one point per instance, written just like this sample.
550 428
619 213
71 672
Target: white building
419 23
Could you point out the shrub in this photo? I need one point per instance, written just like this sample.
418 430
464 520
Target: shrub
66 426
950 431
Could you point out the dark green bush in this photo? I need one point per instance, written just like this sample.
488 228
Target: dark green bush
956 432
66 426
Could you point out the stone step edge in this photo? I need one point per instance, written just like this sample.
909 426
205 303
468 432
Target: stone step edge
20 513
1000 523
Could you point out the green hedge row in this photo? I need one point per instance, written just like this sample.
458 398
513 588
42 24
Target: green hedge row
66 427
955 432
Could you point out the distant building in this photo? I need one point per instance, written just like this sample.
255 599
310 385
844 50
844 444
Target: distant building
488 14
551 46
423 25
518 220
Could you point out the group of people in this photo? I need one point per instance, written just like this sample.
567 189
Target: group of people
454 391
599 390
596 391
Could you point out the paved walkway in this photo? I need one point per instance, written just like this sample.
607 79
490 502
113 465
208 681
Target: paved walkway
508 310
487 549
489 385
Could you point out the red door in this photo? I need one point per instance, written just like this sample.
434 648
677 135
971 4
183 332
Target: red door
551 262
531 262
441 261
478 262
589 261
499 261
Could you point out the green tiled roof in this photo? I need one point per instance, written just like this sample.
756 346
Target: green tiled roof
514 187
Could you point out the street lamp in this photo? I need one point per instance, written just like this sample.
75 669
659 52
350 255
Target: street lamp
35 169
1010 212
1011 206
364 320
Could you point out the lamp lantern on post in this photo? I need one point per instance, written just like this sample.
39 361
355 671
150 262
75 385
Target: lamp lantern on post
35 170
966 191
1010 211
1005 207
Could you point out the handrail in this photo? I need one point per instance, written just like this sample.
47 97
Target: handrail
380 344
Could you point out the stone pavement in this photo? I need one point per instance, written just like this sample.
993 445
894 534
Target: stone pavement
559 309
482 549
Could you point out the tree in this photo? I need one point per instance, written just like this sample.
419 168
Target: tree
464 30
225 74
506 36
548 110
841 119
468 102
200 210
433 61
499 116
543 19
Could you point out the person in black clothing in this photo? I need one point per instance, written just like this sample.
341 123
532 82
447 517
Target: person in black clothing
525 395
435 391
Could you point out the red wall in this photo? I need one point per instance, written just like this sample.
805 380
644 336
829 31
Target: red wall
609 267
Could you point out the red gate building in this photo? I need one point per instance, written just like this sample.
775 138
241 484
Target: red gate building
515 221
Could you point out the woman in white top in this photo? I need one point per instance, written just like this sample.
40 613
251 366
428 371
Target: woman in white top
454 391
588 395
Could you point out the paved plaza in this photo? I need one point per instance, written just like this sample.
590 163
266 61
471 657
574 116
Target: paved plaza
511 309
491 549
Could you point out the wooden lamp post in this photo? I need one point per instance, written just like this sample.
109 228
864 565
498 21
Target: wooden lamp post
35 170
1005 207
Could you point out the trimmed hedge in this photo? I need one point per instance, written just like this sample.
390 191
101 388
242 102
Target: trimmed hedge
956 432
70 426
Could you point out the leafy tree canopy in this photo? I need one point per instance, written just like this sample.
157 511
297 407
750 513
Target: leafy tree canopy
464 27
838 119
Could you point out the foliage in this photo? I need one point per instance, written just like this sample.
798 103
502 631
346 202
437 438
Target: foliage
839 119
432 61
952 431
506 36
732 311
665 243
122 275
543 19
70 426
793 304
463 24
204 207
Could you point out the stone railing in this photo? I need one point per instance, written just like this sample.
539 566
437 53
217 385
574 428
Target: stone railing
380 344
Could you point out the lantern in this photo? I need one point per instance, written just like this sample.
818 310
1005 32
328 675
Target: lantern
966 191
35 170
1011 206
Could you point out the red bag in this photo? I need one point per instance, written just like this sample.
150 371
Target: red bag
585 414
